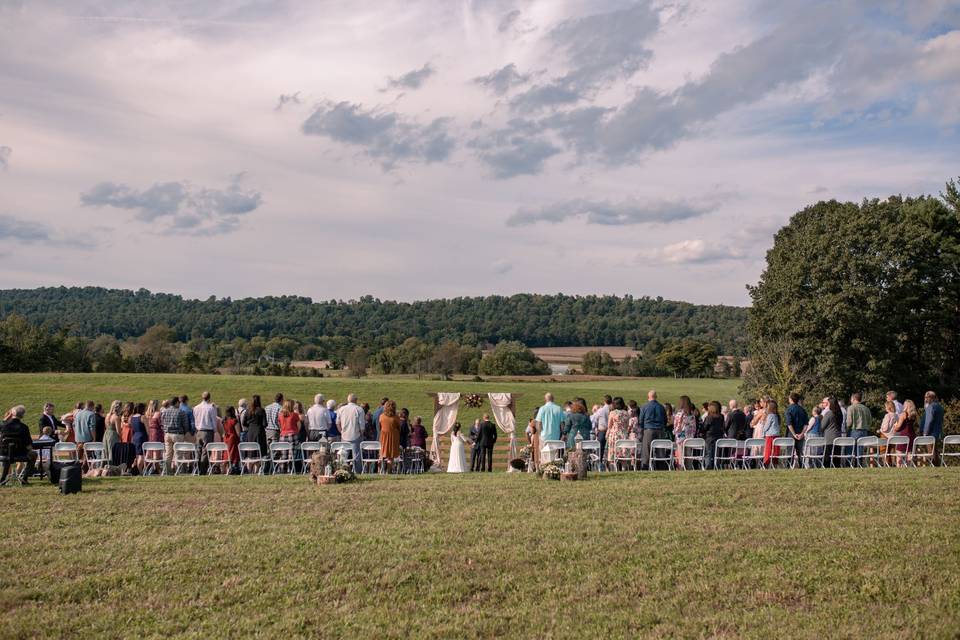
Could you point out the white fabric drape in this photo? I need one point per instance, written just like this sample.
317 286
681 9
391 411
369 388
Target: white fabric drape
447 406
503 416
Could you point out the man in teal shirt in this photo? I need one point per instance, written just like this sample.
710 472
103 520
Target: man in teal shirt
549 418
859 419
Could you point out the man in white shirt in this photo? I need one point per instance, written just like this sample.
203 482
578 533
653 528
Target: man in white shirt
350 420
318 418
205 420
892 397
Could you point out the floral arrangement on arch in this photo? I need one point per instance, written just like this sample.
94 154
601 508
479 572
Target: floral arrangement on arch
473 400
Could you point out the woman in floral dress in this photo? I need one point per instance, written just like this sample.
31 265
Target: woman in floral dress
618 426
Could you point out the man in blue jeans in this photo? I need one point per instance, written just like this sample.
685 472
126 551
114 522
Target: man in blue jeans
350 421
652 421
859 419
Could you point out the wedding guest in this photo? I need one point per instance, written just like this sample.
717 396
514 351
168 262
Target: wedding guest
684 424
670 411
796 419
333 432
404 428
830 421
771 430
577 423
858 419
713 430
139 433
889 420
111 435
318 418
418 434
375 419
49 419
602 419
187 411
618 425
205 422
549 417
85 424
175 428
735 423
906 426
653 420
126 431
813 425
289 422
350 421
231 436
370 430
892 397
271 412
241 413
932 415
152 416
256 426
533 439
389 435
14 430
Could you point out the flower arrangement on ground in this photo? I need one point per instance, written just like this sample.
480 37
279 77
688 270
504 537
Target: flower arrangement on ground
551 470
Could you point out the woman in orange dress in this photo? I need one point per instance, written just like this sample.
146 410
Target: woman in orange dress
389 435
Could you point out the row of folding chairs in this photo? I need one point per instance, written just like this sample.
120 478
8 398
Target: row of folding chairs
749 454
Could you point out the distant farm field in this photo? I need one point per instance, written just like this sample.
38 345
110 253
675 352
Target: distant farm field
574 355
65 390
732 554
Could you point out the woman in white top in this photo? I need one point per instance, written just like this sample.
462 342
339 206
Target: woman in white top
458 454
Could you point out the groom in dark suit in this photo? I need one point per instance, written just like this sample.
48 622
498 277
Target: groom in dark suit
488 438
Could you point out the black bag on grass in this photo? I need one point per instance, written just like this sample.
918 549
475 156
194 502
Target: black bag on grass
71 479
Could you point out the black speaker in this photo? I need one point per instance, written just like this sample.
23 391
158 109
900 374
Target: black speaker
71 479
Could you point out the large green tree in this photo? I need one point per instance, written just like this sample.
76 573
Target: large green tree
866 297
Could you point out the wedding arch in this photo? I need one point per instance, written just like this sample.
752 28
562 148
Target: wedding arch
446 406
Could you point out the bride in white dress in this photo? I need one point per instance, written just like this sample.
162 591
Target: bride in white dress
458 453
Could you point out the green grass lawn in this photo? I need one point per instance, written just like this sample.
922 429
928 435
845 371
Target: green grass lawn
65 390
808 554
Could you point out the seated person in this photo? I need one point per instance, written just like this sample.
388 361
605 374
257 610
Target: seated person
13 430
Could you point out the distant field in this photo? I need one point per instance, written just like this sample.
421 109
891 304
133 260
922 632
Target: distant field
574 355
65 390
765 554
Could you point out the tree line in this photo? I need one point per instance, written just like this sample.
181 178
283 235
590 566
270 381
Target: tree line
336 327
861 297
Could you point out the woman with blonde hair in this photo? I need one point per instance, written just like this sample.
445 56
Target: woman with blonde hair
152 417
111 433
389 435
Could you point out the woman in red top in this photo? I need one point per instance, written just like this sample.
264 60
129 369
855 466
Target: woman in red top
231 435
289 422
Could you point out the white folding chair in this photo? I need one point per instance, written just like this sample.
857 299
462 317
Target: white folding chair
949 441
695 451
250 455
625 451
813 451
414 460
898 450
848 453
591 449
281 455
551 450
725 453
661 450
752 453
65 453
216 455
783 453
370 456
153 458
307 449
96 454
185 454
342 451
867 451
928 443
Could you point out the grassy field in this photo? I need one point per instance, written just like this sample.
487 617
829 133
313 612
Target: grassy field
65 390
804 554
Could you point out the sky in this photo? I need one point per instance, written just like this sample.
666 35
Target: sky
415 150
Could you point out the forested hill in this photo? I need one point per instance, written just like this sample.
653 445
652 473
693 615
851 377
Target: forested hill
535 320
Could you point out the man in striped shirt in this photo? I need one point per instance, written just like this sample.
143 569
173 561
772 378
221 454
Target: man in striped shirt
273 412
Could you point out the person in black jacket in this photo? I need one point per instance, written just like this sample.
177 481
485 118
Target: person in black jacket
713 430
486 440
736 422
14 432
49 419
